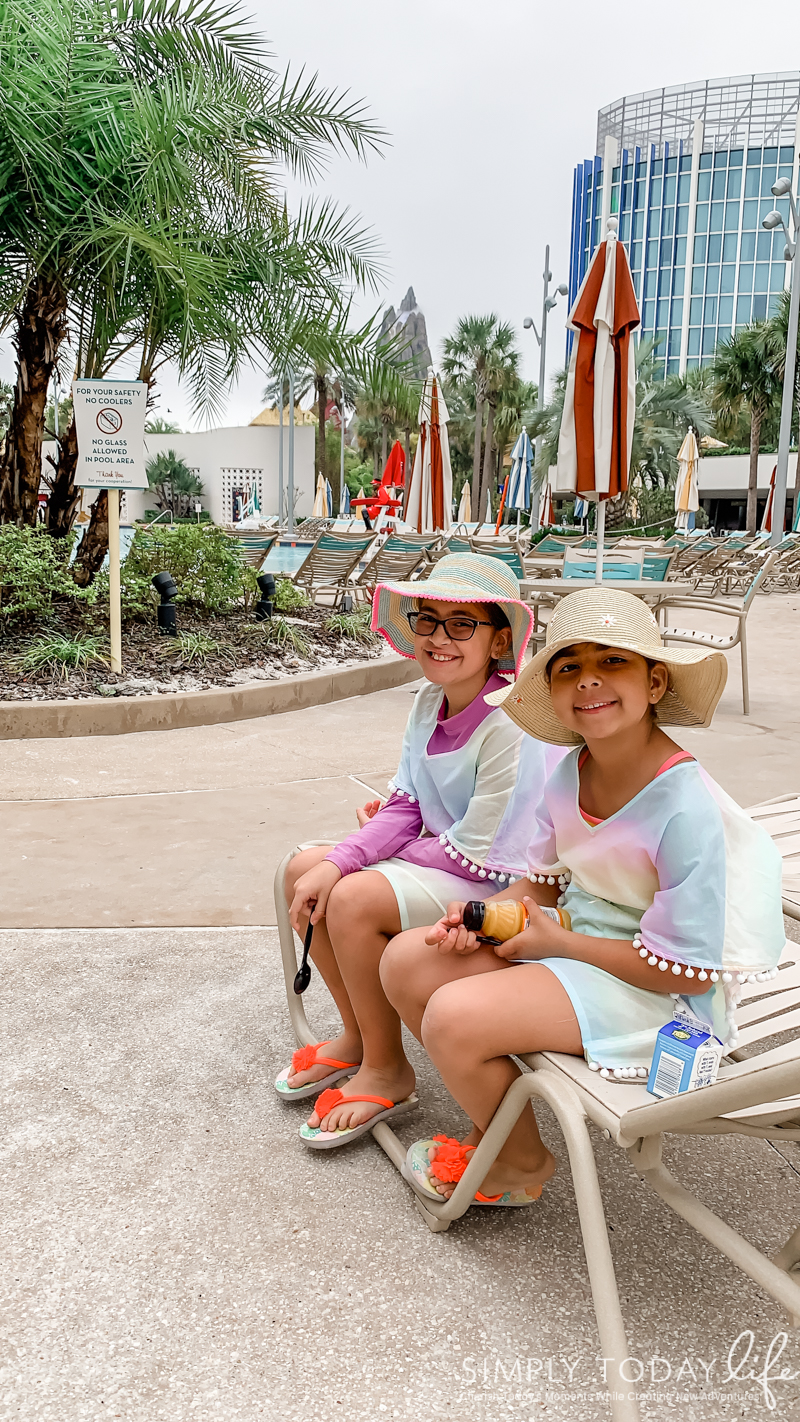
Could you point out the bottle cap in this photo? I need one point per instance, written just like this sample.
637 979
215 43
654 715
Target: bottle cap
474 914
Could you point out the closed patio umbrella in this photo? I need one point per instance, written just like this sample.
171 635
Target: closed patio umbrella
594 447
320 509
430 491
519 482
465 504
687 500
766 522
394 474
344 501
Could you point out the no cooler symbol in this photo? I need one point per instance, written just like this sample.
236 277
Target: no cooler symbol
109 421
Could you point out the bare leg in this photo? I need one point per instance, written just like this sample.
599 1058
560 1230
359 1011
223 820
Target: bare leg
362 915
469 1027
347 1046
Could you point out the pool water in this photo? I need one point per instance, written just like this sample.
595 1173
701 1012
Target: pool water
285 557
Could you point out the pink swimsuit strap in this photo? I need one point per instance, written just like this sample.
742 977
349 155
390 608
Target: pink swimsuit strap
671 760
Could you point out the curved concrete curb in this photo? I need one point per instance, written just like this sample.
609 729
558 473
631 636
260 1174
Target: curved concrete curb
121 715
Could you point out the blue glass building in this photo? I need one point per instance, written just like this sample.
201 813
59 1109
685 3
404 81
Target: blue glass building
688 172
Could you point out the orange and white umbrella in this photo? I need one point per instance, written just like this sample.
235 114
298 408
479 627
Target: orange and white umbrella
594 447
687 498
766 522
430 492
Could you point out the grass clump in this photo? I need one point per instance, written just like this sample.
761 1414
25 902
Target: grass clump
59 655
354 625
285 637
193 649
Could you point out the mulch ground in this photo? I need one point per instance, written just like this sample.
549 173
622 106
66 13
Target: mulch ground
245 651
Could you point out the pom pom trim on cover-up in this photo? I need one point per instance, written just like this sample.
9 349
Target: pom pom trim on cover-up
733 980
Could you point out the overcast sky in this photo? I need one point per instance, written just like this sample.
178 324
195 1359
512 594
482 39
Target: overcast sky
488 107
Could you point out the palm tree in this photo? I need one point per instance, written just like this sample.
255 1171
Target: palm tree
745 377
502 378
466 354
146 114
173 480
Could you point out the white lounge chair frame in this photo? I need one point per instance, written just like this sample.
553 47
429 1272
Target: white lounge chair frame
759 1096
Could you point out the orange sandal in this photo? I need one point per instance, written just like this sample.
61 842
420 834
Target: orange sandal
318 1139
302 1060
448 1165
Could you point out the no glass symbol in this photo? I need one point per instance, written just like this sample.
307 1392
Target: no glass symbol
109 421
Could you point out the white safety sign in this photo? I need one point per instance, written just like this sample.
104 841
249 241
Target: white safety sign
109 421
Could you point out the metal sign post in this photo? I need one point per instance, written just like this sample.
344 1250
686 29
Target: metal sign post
109 422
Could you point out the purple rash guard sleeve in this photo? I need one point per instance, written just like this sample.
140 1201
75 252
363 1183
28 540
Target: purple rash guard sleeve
395 830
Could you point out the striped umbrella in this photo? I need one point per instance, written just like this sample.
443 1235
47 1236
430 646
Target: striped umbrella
594 447
687 500
766 522
430 492
519 483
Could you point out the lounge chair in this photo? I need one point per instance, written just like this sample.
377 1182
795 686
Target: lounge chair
254 546
737 609
331 563
399 558
507 551
580 564
755 1095
781 819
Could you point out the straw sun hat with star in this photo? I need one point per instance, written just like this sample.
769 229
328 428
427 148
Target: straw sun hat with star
613 619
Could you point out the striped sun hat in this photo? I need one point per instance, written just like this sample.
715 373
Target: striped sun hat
613 618
460 577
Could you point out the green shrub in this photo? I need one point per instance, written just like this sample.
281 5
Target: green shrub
58 655
288 598
204 562
34 573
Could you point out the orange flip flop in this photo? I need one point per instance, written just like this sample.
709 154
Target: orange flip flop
448 1166
318 1139
302 1060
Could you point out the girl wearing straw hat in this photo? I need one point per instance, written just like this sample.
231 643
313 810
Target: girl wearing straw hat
431 842
666 889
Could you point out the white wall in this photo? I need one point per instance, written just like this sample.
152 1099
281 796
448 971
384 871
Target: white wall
226 458
727 475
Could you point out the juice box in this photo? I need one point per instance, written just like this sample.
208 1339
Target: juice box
686 1057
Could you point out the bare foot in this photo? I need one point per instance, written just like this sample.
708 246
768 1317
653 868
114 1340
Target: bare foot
395 1086
341 1049
503 1177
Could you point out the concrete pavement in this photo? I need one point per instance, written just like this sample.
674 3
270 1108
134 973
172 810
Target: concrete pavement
171 1252
182 828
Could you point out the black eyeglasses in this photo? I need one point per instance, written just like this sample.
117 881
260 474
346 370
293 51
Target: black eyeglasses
458 629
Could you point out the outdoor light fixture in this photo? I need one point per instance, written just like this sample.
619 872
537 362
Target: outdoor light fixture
781 188
266 603
167 589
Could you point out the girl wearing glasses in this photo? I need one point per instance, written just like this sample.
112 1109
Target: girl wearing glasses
446 832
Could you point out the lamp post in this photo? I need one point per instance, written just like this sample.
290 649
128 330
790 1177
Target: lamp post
290 489
791 253
548 302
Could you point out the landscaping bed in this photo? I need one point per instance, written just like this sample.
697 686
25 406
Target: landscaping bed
226 650
55 635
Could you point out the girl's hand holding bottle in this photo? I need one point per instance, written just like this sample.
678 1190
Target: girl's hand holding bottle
515 928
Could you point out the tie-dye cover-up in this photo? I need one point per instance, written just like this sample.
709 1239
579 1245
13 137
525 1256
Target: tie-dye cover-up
684 873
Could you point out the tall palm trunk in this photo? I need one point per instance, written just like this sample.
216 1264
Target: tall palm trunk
321 386
488 461
64 497
756 418
94 544
40 329
476 452
384 443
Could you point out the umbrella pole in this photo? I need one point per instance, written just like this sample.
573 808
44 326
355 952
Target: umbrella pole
600 533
